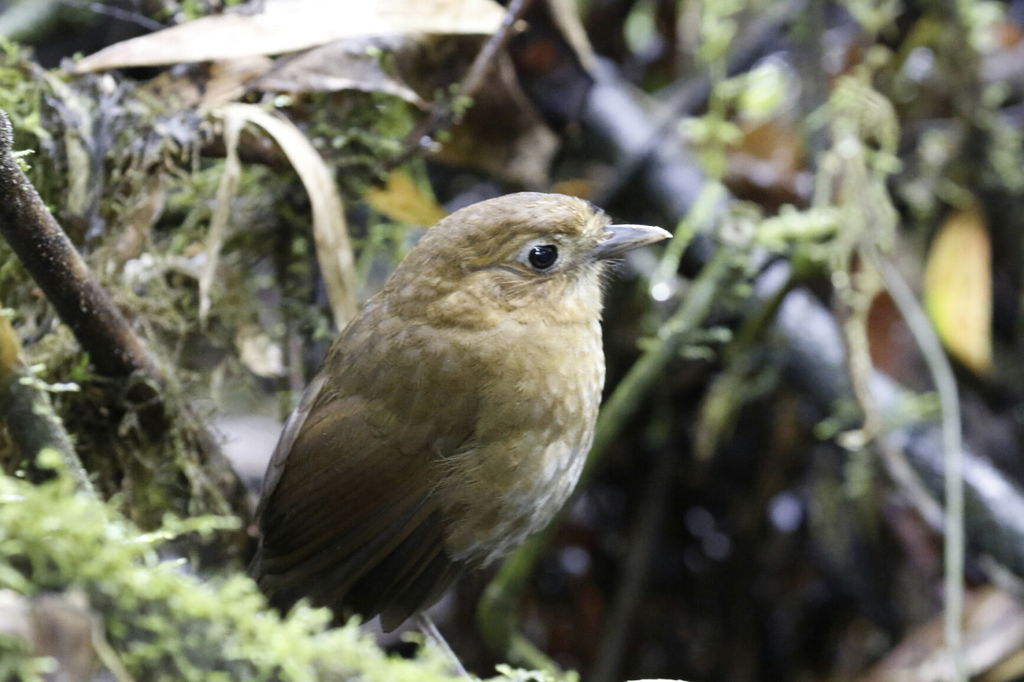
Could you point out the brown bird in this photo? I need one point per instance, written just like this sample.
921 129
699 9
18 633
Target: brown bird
451 417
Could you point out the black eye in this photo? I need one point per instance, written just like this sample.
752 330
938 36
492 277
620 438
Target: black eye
544 256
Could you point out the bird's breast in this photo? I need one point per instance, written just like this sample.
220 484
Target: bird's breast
539 404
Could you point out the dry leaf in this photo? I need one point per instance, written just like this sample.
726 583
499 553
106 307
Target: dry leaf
958 288
402 200
139 216
231 78
768 165
993 632
259 352
341 65
227 189
330 234
281 26
10 349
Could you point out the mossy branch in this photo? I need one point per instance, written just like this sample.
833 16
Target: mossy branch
156 619
58 269
28 416
104 333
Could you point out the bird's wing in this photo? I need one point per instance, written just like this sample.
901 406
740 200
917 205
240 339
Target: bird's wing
289 433
348 515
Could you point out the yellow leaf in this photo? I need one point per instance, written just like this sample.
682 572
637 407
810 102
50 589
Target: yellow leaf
958 288
402 200
10 346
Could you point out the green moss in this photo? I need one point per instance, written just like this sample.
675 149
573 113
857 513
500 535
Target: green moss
21 94
18 664
161 620
357 132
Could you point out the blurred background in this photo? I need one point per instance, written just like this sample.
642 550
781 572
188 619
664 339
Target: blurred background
765 497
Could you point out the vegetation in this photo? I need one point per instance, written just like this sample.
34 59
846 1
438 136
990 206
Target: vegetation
777 488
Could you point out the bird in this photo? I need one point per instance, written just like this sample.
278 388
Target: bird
451 418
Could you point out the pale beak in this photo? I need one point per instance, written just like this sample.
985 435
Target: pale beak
622 238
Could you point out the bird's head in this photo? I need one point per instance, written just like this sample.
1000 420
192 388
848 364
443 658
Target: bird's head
540 255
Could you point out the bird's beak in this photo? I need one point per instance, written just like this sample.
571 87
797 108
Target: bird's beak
619 239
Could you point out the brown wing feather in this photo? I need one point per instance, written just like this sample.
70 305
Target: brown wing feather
348 515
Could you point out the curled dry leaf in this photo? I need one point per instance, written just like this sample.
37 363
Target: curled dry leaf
330 233
341 65
227 189
281 26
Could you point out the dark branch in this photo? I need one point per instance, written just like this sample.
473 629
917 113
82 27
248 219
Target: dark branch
58 269
444 113
104 333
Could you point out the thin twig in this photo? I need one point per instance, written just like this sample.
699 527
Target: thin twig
117 13
952 446
756 42
430 629
58 269
636 568
444 115
484 61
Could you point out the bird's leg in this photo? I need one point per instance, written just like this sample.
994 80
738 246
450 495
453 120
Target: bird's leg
427 627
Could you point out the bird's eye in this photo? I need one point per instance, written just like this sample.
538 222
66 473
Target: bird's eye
543 257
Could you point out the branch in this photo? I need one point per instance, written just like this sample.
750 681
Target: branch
28 416
58 269
104 333
994 505
643 545
952 449
443 115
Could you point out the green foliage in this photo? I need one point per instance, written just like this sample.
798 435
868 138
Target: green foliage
20 95
520 675
874 16
18 663
718 27
142 218
978 18
360 131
